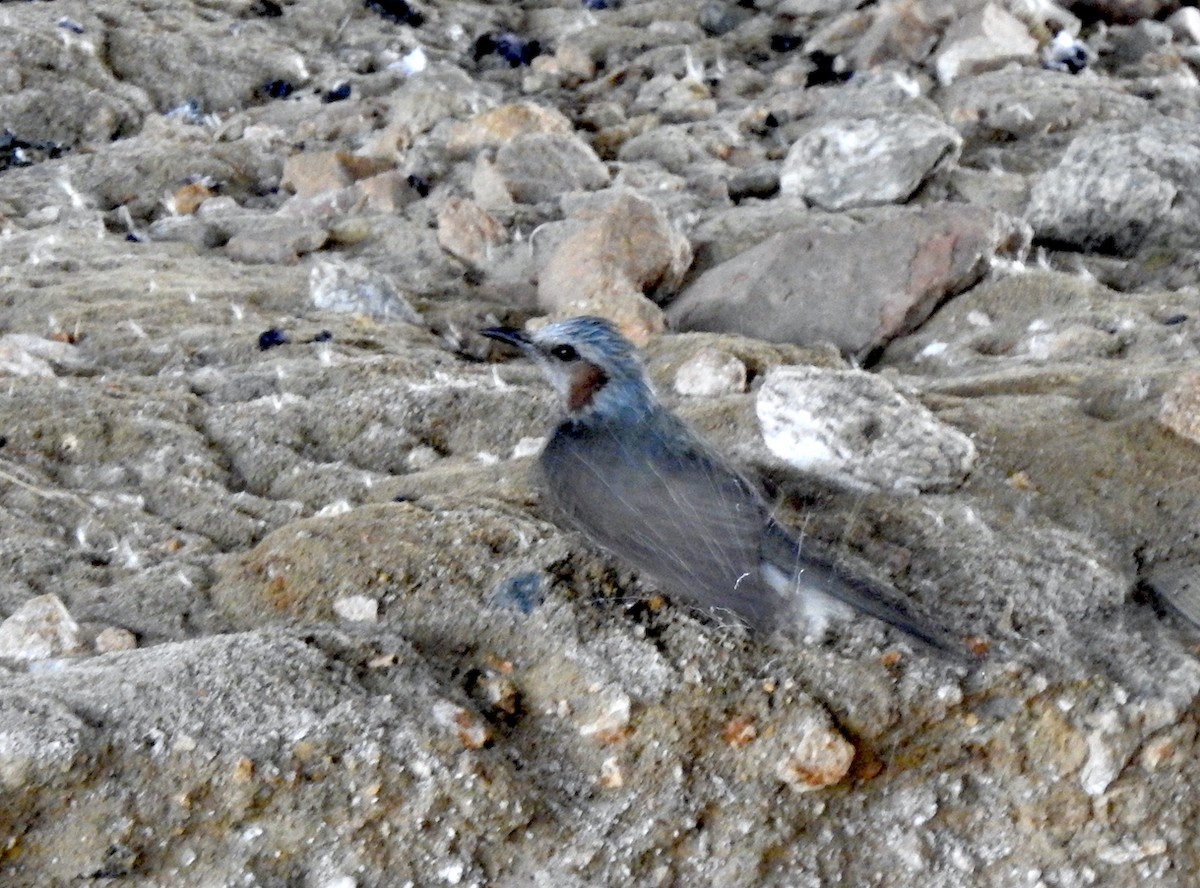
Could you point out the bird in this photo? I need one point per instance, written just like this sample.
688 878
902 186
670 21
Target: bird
637 481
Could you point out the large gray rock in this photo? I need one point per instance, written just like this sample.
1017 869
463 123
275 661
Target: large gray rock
863 162
856 289
1122 190
543 166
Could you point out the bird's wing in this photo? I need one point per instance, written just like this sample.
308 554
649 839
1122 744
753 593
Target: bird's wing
656 497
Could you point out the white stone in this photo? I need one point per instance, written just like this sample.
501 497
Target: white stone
982 41
39 629
357 609
847 163
856 428
709 373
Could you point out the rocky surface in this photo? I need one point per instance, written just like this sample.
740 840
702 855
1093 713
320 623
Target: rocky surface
278 602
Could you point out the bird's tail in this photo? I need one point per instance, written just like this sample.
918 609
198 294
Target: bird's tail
820 584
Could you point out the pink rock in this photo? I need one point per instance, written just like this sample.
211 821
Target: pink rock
624 248
856 289
468 231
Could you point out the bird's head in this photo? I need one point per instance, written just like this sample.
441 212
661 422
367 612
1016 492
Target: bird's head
593 367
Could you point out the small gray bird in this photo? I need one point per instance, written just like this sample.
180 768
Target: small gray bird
637 481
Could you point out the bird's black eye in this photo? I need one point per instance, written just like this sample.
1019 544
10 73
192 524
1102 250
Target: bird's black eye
564 352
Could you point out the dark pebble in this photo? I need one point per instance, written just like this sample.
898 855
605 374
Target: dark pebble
323 336
512 48
396 11
266 9
337 94
419 184
277 89
826 70
269 339
786 42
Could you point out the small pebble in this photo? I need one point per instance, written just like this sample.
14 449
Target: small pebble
709 373
413 63
472 731
337 94
528 447
357 609
418 184
266 9
396 11
611 722
821 757
611 776
114 639
269 339
515 50
277 89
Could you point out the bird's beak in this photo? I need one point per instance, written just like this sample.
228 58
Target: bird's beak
509 335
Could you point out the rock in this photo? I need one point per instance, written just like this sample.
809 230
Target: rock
718 18
618 249
711 372
387 192
489 188
277 242
467 231
607 720
758 181
675 99
856 428
542 166
849 163
40 741
983 40
113 638
870 37
1185 24
1121 190
1179 410
40 629
1129 45
356 609
1178 584
857 288
673 147
312 172
189 230
816 756
351 287
22 354
499 126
